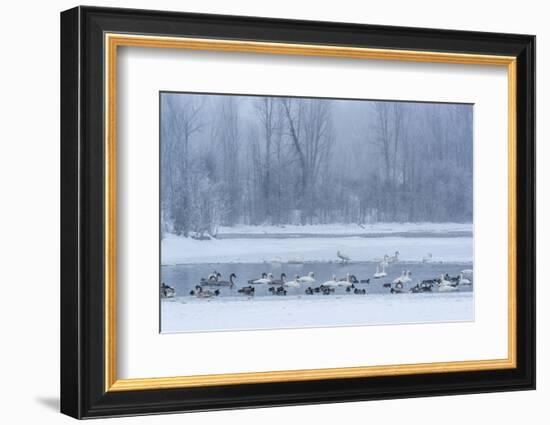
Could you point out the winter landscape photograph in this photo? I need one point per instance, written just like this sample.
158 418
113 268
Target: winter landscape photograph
294 212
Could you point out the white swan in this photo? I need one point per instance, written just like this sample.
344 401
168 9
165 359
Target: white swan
293 283
394 258
463 281
401 279
263 280
310 278
343 257
348 281
446 286
332 283
380 274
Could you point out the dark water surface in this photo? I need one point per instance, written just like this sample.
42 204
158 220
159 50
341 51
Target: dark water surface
185 277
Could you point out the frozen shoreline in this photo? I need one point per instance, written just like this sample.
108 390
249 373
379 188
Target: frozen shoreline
348 229
186 315
180 250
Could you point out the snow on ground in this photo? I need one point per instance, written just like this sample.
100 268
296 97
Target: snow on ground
184 315
181 250
348 229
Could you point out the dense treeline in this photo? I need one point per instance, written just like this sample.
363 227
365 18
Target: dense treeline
228 160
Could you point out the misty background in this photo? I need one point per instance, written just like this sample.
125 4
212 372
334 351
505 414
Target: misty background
228 160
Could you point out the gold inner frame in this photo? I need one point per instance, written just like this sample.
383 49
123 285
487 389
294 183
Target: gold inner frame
113 41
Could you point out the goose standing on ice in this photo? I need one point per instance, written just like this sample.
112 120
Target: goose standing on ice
379 274
344 259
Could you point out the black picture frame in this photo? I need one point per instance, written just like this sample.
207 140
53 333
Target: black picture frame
83 392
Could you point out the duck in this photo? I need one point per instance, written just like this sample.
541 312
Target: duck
358 291
309 290
167 291
427 258
327 290
280 281
380 274
343 257
229 282
310 278
293 283
278 291
247 290
349 288
397 288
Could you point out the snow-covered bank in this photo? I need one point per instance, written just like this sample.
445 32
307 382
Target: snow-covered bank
180 250
184 315
349 229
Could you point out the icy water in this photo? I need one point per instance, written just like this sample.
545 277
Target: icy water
185 277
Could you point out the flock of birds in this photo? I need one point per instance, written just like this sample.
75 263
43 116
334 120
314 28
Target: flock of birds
279 286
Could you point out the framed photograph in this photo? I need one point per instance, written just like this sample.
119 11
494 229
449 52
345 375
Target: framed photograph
261 212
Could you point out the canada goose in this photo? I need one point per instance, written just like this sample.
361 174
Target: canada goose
380 274
310 278
293 283
167 291
343 257
229 282
247 290
207 293
427 258
280 281
358 291
252 281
